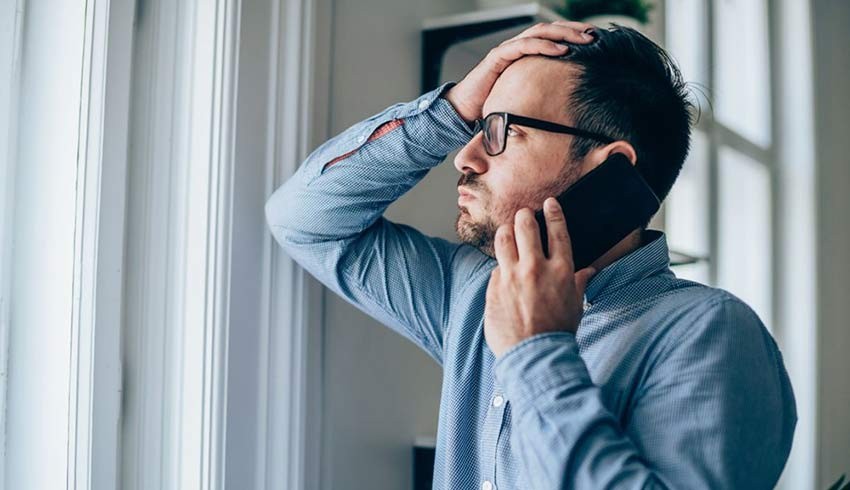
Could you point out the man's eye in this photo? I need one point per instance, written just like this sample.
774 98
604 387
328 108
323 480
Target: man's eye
510 129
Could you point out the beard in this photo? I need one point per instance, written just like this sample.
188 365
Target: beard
480 235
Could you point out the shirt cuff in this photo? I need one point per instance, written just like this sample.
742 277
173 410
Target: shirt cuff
539 364
436 122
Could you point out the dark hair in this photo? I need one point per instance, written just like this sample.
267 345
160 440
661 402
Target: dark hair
629 88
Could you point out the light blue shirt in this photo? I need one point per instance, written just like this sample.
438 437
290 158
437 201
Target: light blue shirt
667 384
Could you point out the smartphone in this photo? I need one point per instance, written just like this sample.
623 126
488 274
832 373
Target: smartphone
603 207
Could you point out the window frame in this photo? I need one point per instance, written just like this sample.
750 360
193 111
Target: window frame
718 135
11 28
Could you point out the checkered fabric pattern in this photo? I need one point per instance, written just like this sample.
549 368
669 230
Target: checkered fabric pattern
667 384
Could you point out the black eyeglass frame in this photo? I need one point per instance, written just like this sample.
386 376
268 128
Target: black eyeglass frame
533 123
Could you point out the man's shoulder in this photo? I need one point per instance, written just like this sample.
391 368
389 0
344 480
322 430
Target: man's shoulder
693 293
699 310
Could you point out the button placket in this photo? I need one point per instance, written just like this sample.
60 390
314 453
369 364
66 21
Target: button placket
498 400
497 410
490 435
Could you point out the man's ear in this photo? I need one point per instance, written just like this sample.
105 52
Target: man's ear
599 155
596 156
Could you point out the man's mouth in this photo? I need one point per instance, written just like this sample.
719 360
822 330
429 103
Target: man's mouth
464 198
463 193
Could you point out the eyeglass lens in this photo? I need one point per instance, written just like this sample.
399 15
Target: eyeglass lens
494 133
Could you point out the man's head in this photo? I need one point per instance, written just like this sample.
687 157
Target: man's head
622 85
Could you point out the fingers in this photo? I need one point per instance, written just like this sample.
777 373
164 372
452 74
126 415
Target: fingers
556 229
573 32
581 26
506 251
543 39
527 235
505 54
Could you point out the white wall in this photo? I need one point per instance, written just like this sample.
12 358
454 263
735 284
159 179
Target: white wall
380 390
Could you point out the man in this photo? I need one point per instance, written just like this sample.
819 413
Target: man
618 375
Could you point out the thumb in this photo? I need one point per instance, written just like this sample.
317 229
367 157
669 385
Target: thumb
582 277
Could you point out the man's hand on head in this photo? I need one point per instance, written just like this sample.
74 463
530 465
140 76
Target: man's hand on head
468 95
528 293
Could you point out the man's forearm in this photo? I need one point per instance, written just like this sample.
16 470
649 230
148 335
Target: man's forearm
707 413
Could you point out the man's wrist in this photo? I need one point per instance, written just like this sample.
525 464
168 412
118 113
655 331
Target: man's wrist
538 363
458 108
437 126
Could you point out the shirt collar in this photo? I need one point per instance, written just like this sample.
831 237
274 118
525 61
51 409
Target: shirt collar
650 258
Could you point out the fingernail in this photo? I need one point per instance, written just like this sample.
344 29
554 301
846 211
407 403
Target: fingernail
562 47
586 37
551 203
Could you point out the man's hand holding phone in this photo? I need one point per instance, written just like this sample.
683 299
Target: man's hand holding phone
528 293
468 95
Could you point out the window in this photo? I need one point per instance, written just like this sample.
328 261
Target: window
747 193
61 241
722 206
150 111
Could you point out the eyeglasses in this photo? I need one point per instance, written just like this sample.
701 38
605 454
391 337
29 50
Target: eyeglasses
495 127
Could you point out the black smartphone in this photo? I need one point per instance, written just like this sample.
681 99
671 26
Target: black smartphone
603 207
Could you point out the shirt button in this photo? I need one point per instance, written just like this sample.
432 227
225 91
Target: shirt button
361 139
488 485
498 400
423 104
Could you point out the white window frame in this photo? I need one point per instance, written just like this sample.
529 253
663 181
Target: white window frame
92 376
718 135
96 372
298 122
261 427
155 293
11 29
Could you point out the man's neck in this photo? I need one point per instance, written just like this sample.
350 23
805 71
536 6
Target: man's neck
624 247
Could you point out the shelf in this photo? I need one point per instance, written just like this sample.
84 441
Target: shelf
439 34
680 258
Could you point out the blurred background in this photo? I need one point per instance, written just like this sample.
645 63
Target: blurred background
153 336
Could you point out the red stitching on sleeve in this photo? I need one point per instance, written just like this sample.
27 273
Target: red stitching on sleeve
382 130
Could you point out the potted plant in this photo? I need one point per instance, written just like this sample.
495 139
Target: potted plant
629 13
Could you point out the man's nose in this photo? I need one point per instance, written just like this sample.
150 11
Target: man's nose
472 158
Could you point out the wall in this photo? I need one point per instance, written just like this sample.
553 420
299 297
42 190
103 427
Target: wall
380 391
